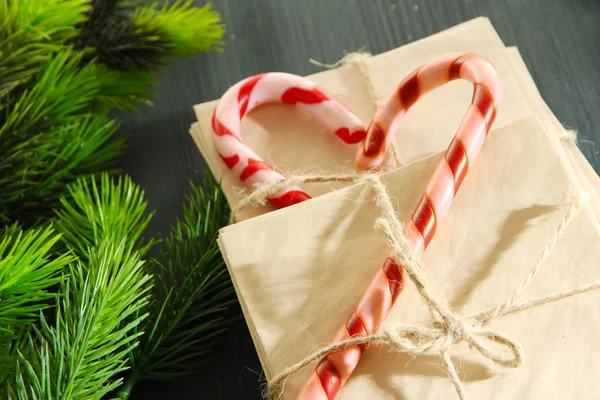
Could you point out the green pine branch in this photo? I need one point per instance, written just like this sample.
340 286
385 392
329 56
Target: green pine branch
80 356
34 31
123 46
49 140
53 20
48 88
30 32
191 294
10 343
153 34
101 306
63 89
185 29
27 272
112 208
37 170
124 90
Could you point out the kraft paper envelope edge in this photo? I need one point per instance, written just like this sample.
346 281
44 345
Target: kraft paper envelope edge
587 177
247 317
477 35
241 244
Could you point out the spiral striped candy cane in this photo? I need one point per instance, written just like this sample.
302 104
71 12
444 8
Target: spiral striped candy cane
275 87
334 370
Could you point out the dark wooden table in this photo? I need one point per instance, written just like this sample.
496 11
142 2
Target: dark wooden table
559 40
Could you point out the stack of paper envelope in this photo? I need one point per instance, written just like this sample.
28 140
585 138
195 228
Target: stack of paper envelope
300 271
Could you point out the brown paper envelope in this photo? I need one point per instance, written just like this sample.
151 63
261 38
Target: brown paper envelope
293 141
299 272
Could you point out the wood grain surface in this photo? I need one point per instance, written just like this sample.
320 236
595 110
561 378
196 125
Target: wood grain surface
559 40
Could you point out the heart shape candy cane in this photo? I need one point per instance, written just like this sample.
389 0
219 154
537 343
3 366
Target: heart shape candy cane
334 370
275 87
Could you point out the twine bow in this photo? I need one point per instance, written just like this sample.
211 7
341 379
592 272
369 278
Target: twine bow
448 328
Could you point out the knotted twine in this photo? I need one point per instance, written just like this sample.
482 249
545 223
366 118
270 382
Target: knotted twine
568 135
448 328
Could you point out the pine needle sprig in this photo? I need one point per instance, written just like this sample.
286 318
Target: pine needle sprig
102 302
9 344
83 353
30 33
62 89
124 90
192 293
186 29
125 46
49 140
28 270
66 87
106 207
143 35
35 172
101 14
154 33
52 19
19 62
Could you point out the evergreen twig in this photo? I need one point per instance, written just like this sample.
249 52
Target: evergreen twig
63 90
153 34
112 208
27 272
30 33
186 29
191 294
81 355
37 170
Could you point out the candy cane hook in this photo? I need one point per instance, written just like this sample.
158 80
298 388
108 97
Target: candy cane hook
333 371
275 87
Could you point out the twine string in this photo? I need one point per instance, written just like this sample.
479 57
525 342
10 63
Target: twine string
568 135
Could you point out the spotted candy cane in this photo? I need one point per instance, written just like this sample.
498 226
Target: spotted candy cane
334 370
275 87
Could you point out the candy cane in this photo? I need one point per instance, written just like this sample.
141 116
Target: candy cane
275 87
334 370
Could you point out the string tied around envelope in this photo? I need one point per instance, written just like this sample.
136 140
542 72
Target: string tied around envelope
448 328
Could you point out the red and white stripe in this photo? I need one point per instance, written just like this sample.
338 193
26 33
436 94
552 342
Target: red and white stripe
275 87
333 371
